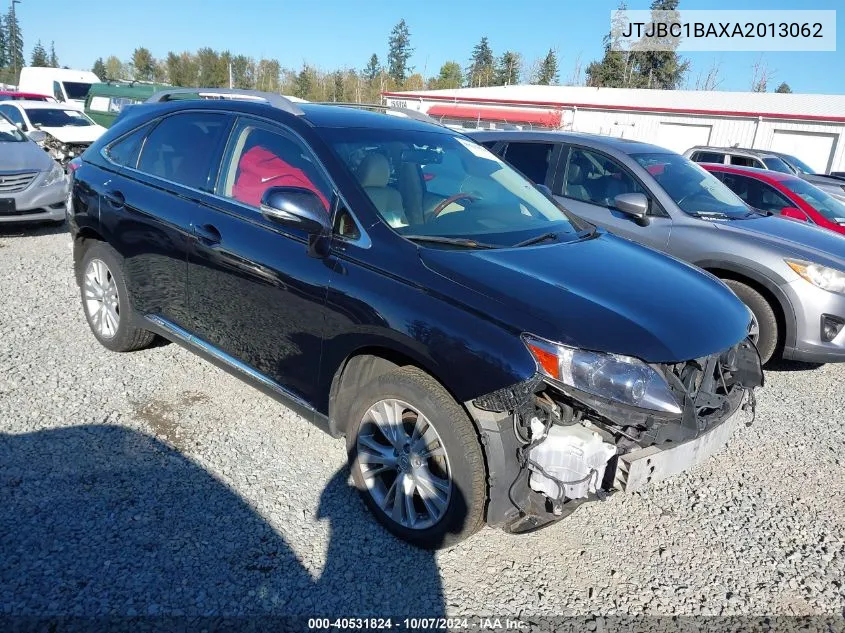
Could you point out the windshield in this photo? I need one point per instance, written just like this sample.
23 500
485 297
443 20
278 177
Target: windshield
9 133
799 165
776 164
57 117
76 89
693 189
827 205
436 185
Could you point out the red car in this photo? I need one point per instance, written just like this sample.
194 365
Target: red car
781 193
8 95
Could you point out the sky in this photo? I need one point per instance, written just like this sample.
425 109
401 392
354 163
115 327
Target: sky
344 33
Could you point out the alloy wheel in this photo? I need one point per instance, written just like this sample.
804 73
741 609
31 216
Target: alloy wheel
101 299
404 464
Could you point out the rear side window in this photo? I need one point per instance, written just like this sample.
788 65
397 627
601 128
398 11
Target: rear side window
125 151
532 159
708 157
745 161
181 148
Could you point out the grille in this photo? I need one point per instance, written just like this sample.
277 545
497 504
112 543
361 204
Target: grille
13 183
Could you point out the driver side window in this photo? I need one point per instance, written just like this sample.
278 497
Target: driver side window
596 179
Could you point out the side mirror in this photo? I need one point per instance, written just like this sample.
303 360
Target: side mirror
634 205
296 207
39 136
793 212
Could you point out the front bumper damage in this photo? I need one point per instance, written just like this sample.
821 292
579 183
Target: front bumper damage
61 152
644 447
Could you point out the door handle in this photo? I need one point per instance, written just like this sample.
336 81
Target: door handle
207 233
115 199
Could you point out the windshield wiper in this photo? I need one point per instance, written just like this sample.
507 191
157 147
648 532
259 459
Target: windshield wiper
455 241
544 237
710 215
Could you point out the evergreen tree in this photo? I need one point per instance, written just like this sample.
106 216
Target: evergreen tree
4 43
613 70
14 41
39 56
450 77
507 69
783 88
54 59
399 51
144 64
303 82
99 69
663 69
548 73
373 68
481 71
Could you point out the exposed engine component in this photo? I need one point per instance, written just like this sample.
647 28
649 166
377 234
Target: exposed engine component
62 153
570 461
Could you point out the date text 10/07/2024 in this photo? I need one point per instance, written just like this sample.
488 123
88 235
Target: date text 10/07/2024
416 624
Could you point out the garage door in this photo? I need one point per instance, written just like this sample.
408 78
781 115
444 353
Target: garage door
814 149
679 137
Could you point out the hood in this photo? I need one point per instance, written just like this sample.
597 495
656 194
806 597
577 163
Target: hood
75 134
820 179
26 156
604 294
790 238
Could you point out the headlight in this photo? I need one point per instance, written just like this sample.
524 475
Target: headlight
623 379
55 175
820 276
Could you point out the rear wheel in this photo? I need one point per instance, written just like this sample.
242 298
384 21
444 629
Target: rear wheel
105 301
764 326
416 460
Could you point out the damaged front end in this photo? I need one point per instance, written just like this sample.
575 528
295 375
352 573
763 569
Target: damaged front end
61 152
590 424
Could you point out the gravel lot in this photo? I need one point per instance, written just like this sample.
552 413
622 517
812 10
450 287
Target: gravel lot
153 483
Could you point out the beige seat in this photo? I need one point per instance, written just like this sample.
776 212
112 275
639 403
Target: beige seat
374 173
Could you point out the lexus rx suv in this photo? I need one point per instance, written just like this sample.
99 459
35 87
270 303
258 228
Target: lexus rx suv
791 275
488 357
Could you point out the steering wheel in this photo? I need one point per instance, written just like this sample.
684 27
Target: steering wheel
453 198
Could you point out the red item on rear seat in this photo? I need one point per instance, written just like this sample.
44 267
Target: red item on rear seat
260 169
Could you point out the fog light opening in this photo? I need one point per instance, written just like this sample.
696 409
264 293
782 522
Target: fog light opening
831 327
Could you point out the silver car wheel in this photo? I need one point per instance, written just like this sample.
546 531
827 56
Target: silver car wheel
754 329
404 464
101 300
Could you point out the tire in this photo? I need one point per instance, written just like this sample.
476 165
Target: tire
461 513
102 274
764 314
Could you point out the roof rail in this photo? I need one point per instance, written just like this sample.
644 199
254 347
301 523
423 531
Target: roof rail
416 115
275 100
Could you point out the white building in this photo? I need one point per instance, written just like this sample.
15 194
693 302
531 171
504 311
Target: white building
811 127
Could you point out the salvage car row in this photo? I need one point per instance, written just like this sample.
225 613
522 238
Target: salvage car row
495 346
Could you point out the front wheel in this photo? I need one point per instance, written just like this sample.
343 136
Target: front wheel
764 324
416 460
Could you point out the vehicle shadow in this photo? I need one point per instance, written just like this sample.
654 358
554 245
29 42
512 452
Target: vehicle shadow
103 520
791 365
32 229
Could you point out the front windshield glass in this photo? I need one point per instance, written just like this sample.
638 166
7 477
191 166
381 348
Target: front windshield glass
693 189
76 89
776 164
438 185
827 205
57 117
800 166
9 133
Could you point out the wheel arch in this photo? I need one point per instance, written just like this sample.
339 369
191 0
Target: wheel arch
771 292
83 237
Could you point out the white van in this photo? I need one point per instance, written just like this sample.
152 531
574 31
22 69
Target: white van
65 84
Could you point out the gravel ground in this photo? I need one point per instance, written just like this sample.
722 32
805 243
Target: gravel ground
154 483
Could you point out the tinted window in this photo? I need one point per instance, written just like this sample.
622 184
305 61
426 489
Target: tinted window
76 90
479 196
827 205
125 151
756 193
260 159
693 189
745 161
708 157
594 178
57 117
14 115
532 159
181 147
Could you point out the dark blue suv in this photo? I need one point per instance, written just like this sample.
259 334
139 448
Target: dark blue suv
488 356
